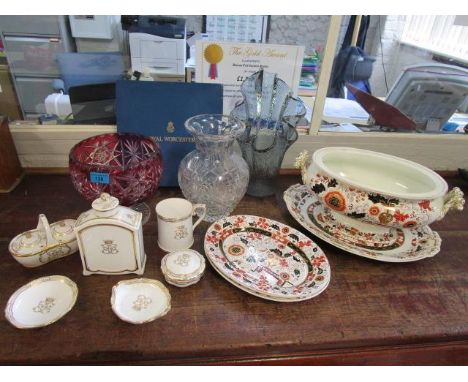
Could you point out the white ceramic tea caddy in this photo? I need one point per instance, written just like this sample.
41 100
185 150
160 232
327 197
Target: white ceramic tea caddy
45 243
183 268
110 238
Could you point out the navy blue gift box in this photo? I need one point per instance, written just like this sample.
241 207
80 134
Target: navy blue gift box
159 110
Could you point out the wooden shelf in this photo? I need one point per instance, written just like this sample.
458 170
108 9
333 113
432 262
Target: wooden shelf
372 313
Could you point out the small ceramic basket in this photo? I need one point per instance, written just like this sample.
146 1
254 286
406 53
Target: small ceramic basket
44 244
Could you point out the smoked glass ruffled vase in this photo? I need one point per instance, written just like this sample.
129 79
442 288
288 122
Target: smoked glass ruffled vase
270 114
214 174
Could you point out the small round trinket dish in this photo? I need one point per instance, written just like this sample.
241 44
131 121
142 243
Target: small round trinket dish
45 243
138 301
41 302
183 268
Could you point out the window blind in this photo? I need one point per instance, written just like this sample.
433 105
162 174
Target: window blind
437 34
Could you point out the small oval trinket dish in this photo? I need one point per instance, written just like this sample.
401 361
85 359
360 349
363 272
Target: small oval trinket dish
138 301
45 243
41 302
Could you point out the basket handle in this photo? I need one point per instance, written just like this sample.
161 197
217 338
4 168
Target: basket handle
43 225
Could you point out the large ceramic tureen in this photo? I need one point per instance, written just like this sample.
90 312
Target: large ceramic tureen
380 189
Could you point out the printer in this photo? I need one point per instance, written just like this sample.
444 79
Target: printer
157 43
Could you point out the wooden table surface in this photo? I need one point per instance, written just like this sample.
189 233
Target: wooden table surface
371 313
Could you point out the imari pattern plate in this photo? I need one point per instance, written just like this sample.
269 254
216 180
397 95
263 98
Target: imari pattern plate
266 258
392 245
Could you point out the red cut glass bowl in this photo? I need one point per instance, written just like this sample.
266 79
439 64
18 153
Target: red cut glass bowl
127 166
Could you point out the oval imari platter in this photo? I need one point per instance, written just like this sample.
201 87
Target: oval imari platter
266 258
392 245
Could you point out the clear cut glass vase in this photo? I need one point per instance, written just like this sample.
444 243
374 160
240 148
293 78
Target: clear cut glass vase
214 173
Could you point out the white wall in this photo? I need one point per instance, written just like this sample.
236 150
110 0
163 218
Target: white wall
310 31
116 44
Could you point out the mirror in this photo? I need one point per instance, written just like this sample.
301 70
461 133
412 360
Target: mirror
61 69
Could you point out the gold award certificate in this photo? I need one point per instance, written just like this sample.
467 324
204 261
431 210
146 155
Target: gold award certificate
230 63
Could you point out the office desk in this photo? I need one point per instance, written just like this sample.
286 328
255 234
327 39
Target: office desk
371 313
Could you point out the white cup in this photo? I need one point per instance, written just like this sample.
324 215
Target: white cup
175 225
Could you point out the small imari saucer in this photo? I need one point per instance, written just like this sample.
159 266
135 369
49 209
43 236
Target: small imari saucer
140 300
41 302
383 244
266 258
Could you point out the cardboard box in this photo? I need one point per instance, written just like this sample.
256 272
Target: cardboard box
9 106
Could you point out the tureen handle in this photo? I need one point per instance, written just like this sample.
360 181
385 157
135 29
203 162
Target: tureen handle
453 200
43 225
302 162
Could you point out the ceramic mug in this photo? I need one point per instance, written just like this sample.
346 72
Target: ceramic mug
175 225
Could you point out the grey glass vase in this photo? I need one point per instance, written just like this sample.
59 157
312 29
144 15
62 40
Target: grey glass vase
270 114
214 174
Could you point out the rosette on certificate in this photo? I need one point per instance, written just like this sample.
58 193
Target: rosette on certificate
213 54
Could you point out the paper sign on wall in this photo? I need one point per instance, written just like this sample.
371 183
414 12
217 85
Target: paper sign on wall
230 63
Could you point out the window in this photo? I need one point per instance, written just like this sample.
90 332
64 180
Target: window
443 35
48 146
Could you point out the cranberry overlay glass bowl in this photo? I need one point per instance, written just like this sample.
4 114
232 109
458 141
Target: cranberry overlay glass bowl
127 166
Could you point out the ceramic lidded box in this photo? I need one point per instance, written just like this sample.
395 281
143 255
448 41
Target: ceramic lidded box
110 238
183 268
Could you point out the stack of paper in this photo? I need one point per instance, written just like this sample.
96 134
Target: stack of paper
339 110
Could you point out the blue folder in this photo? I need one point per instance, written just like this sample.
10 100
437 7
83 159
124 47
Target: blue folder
159 110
